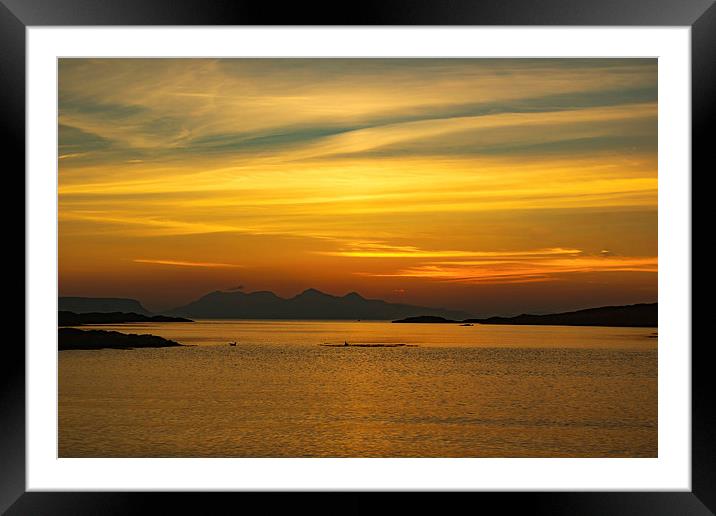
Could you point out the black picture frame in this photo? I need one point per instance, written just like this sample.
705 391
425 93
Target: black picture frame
17 15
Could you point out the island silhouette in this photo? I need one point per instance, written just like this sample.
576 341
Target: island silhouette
72 338
65 318
309 304
638 315
100 304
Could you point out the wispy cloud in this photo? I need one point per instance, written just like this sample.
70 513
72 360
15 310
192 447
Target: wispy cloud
199 107
382 250
516 270
466 171
72 155
179 263
142 225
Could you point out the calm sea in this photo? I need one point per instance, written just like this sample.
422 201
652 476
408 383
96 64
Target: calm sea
480 391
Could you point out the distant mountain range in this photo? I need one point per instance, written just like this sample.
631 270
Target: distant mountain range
309 304
314 304
640 315
81 305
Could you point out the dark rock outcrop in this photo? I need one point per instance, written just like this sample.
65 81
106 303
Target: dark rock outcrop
72 338
425 319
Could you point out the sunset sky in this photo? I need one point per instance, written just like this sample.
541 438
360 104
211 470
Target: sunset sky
496 186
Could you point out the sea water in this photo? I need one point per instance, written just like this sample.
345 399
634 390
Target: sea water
452 391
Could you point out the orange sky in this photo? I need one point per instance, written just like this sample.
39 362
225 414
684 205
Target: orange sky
492 186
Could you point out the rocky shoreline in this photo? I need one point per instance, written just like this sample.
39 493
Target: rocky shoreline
73 338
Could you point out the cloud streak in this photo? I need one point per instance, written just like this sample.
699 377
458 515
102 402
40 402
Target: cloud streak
510 271
180 263
382 250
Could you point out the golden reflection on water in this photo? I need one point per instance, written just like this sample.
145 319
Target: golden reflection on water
482 391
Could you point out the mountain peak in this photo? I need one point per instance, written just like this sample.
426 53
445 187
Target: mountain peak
263 293
353 295
313 292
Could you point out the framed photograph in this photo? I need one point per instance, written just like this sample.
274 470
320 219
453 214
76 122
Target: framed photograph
420 247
